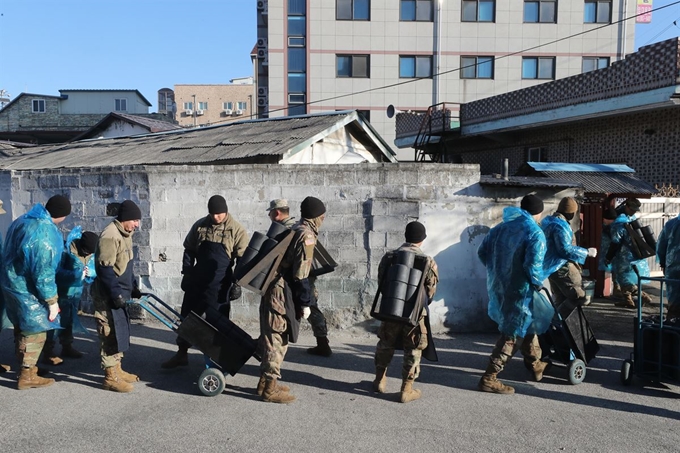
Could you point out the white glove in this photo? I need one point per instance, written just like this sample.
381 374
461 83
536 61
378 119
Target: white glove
54 311
86 271
306 311
592 252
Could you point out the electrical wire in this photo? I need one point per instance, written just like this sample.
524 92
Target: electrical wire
415 79
672 24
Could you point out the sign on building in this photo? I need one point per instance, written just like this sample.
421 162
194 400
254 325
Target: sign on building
644 12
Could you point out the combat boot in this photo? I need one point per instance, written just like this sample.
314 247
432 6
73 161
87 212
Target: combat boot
539 368
408 393
489 383
380 383
4 368
272 394
115 383
67 350
49 357
617 293
29 379
263 381
322 348
181 358
124 375
646 299
627 302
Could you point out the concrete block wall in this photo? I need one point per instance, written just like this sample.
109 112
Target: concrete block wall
368 206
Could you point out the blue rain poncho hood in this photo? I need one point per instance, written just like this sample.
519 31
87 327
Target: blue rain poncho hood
513 255
33 249
70 280
622 263
559 244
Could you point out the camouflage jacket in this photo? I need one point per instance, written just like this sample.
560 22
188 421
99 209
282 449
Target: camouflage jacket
432 277
229 233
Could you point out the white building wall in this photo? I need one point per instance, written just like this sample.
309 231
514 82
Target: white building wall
103 102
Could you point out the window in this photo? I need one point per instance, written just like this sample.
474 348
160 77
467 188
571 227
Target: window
538 67
352 66
597 12
188 106
297 7
297 109
296 41
202 106
297 82
476 67
544 11
228 106
296 98
242 105
297 60
38 106
416 10
479 10
121 105
412 66
593 63
297 26
353 9
536 154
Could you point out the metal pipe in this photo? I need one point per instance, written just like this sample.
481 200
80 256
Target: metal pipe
505 170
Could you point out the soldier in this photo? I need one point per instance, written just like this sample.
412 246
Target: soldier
32 252
668 255
114 286
563 258
211 248
513 254
279 211
620 255
277 324
608 217
76 268
414 339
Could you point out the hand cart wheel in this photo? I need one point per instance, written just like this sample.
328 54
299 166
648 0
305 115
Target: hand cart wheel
211 382
626 372
577 371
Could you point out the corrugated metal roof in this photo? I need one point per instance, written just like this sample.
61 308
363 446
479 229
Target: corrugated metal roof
528 181
237 141
151 124
605 182
569 167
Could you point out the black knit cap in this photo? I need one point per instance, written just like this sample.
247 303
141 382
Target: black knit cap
415 232
88 243
217 205
58 206
311 208
609 213
532 204
128 210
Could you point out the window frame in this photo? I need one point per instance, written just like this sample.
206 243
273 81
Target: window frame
540 3
122 103
597 63
597 9
415 11
38 102
188 105
242 105
202 105
538 70
351 66
353 11
476 66
415 66
541 150
229 105
477 18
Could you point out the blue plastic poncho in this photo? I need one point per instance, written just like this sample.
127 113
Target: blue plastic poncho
668 256
622 264
70 280
513 254
560 247
605 242
33 250
4 321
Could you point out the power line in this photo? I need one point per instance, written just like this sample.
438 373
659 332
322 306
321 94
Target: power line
415 79
671 25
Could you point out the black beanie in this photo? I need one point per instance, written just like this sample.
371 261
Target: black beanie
311 208
415 232
610 213
58 206
532 204
217 205
128 210
88 243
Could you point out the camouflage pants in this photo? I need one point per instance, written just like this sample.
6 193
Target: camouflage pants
413 339
28 347
107 339
566 283
273 331
318 322
507 346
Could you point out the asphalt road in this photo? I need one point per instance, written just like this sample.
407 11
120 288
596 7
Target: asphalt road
335 410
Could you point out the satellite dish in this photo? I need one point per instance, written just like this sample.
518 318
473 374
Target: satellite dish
391 111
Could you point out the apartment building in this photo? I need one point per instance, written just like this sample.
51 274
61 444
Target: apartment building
203 105
366 55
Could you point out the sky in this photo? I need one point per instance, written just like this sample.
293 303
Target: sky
48 45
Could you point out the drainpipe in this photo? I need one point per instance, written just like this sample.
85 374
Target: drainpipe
505 170
437 52
622 16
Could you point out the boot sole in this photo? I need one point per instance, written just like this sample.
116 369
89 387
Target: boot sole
33 386
107 387
488 390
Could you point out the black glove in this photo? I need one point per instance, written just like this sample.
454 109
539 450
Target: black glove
234 292
135 293
186 282
118 302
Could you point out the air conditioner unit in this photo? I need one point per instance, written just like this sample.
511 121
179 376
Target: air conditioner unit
261 43
261 53
262 6
188 112
262 91
199 112
262 101
228 112
238 112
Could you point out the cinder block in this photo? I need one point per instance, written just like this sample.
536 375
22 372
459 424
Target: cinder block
403 208
377 239
386 223
392 191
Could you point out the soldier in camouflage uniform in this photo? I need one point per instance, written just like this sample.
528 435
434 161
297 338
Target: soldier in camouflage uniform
414 339
211 248
32 252
114 286
279 211
291 281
